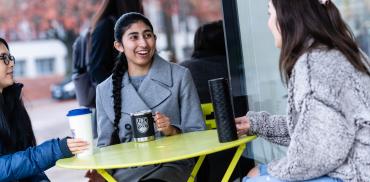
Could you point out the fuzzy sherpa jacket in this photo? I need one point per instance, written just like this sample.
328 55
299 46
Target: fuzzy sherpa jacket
327 127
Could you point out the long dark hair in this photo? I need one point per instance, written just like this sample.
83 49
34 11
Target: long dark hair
305 20
116 8
122 25
15 125
209 38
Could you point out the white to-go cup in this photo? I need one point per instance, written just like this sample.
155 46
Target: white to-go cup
80 124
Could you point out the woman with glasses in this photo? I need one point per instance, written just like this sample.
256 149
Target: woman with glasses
7 58
20 158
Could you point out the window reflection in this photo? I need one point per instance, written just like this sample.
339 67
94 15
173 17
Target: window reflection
357 16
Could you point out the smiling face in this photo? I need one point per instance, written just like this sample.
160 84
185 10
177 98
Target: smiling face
138 43
273 26
6 71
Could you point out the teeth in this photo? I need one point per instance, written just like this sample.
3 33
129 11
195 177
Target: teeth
142 52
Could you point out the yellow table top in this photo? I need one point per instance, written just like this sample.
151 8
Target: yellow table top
166 149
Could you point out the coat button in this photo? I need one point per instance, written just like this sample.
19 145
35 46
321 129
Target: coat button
128 126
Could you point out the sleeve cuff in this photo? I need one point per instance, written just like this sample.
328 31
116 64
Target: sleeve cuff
64 148
263 169
177 127
252 116
160 134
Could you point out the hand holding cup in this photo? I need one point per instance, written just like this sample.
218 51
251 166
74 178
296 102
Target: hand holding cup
163 124
77 146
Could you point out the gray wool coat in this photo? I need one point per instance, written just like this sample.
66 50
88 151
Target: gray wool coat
167 88
327 128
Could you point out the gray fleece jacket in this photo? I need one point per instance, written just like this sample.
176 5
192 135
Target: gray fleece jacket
327 127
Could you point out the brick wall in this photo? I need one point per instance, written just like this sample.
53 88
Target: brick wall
38 88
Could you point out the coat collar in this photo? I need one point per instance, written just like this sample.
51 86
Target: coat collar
10 96
153 90
161 71
15 90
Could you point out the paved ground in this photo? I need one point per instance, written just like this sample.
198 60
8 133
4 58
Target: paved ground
49 121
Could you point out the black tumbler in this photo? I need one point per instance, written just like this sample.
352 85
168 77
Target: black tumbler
223 109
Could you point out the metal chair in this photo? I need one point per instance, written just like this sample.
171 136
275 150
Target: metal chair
208 116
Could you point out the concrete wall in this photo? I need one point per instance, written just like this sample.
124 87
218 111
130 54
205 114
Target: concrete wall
29 51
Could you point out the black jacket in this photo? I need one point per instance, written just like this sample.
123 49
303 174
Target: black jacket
204 67
102 52
32 162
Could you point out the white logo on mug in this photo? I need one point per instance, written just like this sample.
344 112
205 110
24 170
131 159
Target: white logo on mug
142 124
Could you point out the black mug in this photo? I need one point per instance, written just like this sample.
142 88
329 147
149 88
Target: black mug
143 126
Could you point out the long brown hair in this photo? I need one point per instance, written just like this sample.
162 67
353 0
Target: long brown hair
116 8
301 21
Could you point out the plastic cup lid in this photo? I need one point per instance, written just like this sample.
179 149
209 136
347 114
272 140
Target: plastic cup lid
77 112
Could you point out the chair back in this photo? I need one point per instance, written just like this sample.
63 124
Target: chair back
208 115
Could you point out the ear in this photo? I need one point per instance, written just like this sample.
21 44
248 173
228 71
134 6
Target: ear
155 37
119 46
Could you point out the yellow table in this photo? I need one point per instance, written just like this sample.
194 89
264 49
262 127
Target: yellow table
166 149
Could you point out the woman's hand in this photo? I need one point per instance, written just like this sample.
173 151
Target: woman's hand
242 125
254 172
163 124
77 145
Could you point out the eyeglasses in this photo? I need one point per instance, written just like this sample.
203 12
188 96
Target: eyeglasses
7 58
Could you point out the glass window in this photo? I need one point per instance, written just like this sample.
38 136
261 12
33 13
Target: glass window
45 66
20 68
264 87
175 22
357 16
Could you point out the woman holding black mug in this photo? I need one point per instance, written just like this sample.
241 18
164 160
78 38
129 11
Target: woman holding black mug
327 125
142 80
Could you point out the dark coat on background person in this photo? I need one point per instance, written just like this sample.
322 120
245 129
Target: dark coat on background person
102 53
208 60
28 164
167 88
205 66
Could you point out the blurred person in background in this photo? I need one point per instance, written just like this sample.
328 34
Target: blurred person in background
208 60
102 53
20 158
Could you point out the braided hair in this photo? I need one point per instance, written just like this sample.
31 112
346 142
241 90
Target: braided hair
121 66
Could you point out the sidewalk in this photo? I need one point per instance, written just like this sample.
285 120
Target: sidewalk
49 121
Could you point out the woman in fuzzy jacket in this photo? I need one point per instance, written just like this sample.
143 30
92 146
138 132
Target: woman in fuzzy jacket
327 127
